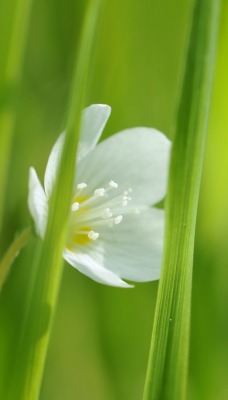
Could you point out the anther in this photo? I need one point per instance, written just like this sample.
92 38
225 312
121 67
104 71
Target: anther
113 184
99 192
93 235
75 206
118 219
81 185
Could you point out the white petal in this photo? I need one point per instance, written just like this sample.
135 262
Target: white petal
136 158
133 249
52 165
85 264
94 119
37 203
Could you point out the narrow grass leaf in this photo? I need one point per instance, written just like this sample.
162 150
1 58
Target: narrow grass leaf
168 362
47 267
14 23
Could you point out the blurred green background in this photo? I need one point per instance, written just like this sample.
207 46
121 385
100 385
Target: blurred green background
101 335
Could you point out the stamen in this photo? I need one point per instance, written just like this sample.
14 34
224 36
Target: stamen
126 198
93 235
99 192
109 203
113 184
102 208
83 231
107 213
75 206
82 185
118 219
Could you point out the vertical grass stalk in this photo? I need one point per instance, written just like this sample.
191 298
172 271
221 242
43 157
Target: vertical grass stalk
168 361
11 61
30 360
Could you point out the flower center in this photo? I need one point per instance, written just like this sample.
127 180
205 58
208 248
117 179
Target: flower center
91 213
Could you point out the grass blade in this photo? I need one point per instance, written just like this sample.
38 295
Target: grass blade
47 269
12 44
168 363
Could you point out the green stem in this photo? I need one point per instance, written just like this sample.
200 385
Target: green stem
13 252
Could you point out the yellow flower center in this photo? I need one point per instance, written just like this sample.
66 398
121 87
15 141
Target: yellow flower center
77 239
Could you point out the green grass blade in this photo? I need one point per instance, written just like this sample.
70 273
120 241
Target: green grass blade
12 252
168 363
13 31
47 269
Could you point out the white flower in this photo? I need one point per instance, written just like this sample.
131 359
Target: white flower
113 231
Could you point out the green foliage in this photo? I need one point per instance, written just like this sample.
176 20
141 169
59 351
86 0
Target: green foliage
100 338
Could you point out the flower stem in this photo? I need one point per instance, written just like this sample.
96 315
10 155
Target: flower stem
13 252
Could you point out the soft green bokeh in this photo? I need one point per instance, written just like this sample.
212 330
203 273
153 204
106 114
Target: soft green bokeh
101 335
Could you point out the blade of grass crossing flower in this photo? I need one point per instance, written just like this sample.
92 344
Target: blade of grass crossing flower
29 365
168 362
14 35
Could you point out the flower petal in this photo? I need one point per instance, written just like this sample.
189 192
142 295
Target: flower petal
85 264
52 165
133 249
136 158
37 203
94 119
